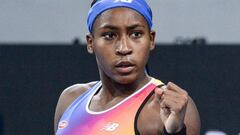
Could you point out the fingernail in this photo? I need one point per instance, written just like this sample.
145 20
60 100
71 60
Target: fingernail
164 87
159 91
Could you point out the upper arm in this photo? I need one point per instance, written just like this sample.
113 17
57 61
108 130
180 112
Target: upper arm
192 119
67 97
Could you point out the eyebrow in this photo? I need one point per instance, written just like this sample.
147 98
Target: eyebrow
135 26
112 27
107 26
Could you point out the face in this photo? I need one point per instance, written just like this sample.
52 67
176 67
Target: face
121 42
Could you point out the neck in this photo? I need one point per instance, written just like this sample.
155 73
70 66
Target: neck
113 92
113 89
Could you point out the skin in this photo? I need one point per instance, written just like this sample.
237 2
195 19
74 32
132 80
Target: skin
114 41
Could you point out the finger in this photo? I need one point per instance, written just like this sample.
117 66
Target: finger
159 91
174 87
172 104
173 94
179 98
168 99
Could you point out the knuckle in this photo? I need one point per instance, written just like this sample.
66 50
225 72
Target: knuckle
178 108
185 92
185 96
184 100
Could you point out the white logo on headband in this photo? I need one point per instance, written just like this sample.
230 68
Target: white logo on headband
127 1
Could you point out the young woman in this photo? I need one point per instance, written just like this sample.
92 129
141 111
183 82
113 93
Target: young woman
126 100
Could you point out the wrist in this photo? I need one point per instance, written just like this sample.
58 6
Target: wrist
181 132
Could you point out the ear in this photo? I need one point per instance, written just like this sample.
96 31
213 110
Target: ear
152 39
89 39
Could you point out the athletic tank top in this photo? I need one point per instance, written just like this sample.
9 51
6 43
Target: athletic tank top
117 120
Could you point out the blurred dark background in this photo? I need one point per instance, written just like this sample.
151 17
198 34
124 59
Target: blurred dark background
32 78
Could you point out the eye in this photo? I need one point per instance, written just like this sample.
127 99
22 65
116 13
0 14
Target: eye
136 34
109 35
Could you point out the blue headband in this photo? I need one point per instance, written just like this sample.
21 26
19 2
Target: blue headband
102 5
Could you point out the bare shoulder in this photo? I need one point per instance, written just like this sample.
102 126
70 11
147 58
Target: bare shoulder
76 90
67 97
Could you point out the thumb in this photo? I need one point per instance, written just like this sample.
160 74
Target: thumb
159 92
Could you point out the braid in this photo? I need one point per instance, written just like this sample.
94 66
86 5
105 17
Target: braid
93 2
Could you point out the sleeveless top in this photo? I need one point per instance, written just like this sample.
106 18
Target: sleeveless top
121 119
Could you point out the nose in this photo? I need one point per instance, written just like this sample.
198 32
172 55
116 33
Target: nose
123 47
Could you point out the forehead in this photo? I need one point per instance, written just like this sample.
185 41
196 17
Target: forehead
120 16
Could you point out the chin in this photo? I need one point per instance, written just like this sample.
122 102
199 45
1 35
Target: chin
125 79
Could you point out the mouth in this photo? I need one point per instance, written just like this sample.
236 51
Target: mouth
124 67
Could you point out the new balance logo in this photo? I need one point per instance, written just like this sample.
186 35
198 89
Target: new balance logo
127 1
62 124
110 127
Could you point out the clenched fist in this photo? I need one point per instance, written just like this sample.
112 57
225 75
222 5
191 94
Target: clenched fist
173 102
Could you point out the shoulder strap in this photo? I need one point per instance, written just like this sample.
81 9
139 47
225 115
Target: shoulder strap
158 83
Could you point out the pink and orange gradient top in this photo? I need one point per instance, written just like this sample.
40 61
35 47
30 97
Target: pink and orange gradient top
117 120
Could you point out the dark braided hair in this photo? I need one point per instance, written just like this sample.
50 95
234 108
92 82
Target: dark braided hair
93 2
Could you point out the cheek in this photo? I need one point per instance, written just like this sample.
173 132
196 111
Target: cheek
102 63
144 56
143 48
142 53
104 55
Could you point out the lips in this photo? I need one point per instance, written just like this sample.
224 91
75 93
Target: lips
124 64
124 67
